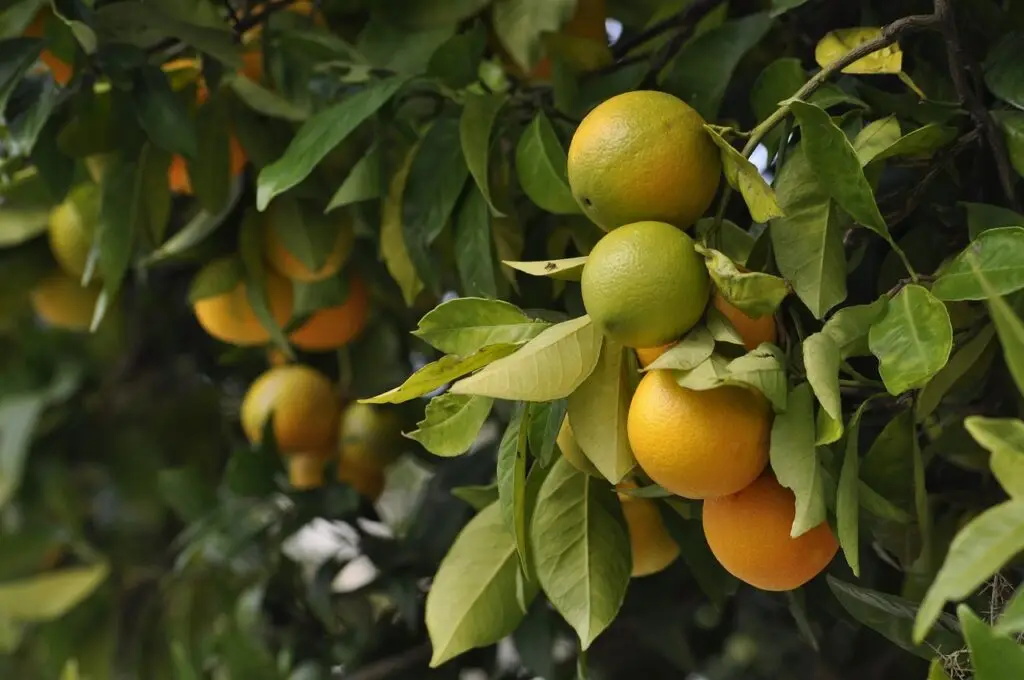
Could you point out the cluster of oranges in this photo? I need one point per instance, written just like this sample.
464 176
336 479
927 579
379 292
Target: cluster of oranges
642 167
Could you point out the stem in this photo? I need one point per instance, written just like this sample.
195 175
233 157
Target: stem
860 378
914 276
787 130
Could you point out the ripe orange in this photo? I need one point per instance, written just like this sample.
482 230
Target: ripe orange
302 404
367 479
59 68
230 318
287 264
753 331
62 302
652 547
698 444
306 470
572 452
749 534
643 155
644 284
647 355
72 228
335 327
177 172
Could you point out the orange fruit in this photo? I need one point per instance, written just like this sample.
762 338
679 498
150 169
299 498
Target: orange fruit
306 470
652 547
647 355
749 534
643 155
644 284
252 68
59 69
334 327
370 435
230 318
287 264
367 479
62 302
72 228
698 444
753 331
177 172
302 404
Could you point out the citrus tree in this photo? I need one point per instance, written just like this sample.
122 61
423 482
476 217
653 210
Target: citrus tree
511 338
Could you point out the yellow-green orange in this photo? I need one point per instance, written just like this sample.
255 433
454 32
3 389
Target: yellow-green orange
644 284
698 444
288 264
73 228
752 331
643 155
572 452
62 302
302 404
749 534
370 434
652 547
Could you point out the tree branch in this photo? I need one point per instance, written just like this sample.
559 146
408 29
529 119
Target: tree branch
982 118
689 15
392 665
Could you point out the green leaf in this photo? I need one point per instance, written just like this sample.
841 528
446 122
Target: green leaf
959 364
136 21
210 169
440 373
519 24
49 596
838 43
250 248
849 327
848 495
452 423
736 243
978 550
25 128
764 370
541 167
474 246
597 412
912 340
19 416
464 325
833 160
161 113
569 269
457 61
478 117
1010 330
756 294
701 71
780 7
994 656
121 215
795 460
363 181
821 361
1011 621
875 138
1002 70
743 176
511 479
390 46
1004 438
692 350
920 143
478 497
266 102
828 430
893 617
581 549
26 211
473 600
195 230
545 423
16 56
721 328
808 241
779 81
982 217
393 249
997 255
888 466
550 366
318 136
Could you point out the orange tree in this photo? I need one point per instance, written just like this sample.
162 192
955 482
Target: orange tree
511 338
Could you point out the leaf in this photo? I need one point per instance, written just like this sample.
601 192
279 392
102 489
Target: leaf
821 361
704 66
734 242
1011 621
50 595
795 461
764 370
981 217
121 214
959 364
893 617
511 480
363 182
833 160
266 102
550 366
920 143
475 125
250 248
478 497
472 601
693 349
457 62
196 230
994 656
849 326
597 412
519 24
393 248
393 47
465 325
581 549
1002 70
318 136
19 415
1004 438
545 423
161 113
439 373
756 294
808 241
980 548
151 20
541 167
888 467
780 7
828 430
779 81
875 138
912 340
743 176
847 495
452 423
474 247
997 255
569 269
210 170
838 43
16 56
1010 330
721 328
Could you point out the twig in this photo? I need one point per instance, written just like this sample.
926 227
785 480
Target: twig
690 14
917 194
392 665
982 118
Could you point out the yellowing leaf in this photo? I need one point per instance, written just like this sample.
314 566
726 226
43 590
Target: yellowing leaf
451 424
743 176
548 367
440 373
755 293
392 237
836 44
569 269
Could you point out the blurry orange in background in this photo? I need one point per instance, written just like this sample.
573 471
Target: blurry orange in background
60 69
177 171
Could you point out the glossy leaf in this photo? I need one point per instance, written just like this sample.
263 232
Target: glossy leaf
912 340
1004 439
795 460
541 167
821 361
362 183
465 325
777 82
997 255
875 138
478 118
849 327
981 217
474 246
451 423
1010 330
